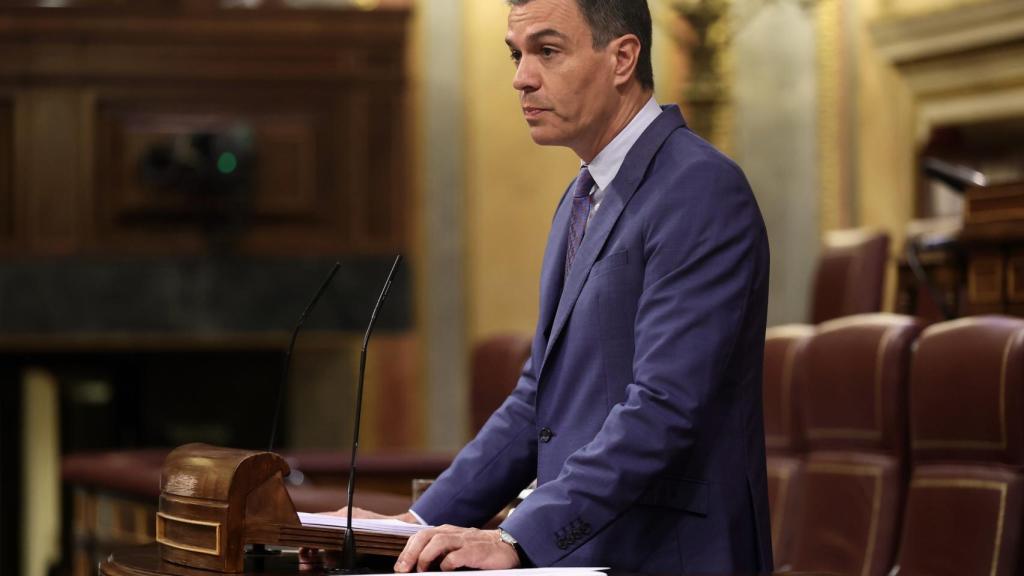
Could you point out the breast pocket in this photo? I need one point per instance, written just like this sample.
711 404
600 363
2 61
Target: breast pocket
617 280
609 263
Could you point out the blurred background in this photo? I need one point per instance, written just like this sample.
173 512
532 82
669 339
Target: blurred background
178 176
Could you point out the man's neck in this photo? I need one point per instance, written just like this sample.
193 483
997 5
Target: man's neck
631 106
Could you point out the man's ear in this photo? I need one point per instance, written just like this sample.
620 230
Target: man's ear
626 51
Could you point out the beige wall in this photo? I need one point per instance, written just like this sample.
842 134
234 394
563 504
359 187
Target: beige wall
512 185
886 119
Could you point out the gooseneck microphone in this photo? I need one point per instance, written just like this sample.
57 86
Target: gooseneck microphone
291 348
350 540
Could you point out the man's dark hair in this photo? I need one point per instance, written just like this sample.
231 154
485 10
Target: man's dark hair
610 19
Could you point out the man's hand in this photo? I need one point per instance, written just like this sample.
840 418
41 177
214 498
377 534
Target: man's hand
367 514
456 548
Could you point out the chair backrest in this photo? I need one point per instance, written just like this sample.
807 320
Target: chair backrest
784 488
853 374
850 277
495 367
783 430
965 392
967 442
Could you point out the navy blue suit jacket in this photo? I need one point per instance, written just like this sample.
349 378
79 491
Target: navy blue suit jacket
639 410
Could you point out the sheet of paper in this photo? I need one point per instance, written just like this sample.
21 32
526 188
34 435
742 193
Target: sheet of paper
529 572
388 526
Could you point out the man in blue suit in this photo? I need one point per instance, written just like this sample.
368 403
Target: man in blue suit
639 410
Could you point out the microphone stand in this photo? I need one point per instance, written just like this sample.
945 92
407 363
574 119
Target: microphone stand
259 551
349 558
291 349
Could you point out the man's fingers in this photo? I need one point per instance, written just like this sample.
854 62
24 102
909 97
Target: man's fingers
438 546
451 548
411 553
453 560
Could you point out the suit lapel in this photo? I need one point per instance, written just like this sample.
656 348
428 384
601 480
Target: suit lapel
603 221
554 266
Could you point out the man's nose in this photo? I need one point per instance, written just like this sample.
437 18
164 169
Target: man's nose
526 78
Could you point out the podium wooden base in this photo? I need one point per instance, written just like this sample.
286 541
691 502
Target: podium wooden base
145 561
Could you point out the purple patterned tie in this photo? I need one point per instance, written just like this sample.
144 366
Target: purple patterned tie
581 200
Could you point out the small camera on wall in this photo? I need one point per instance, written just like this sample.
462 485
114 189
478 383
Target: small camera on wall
203 178
204 164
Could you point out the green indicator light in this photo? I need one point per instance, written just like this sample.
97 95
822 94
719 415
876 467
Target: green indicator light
227 163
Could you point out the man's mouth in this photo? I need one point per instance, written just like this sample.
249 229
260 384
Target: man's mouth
531 112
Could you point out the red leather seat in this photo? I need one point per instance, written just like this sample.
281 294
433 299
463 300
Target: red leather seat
850 277
496 364
783 430
853 381
964 505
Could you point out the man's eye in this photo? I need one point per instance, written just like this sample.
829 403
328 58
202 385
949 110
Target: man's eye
547 51
516 56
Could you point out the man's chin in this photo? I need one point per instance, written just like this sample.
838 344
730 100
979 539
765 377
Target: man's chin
544 136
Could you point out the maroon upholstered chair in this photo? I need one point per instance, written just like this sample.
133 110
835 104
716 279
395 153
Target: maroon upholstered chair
964 505
496 364
783 430
850 277
853 382
783 427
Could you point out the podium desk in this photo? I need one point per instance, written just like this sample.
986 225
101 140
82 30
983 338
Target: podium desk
145 561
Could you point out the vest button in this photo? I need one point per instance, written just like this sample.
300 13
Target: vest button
545 435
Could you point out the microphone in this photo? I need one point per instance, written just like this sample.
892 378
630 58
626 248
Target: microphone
291 348
350 540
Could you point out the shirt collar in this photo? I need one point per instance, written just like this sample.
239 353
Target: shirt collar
605 166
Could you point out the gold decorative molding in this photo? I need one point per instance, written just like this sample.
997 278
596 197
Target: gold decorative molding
725 112
963 64
707 91
904 39
833 152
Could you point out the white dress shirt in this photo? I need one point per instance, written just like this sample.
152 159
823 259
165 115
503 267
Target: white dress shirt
605 166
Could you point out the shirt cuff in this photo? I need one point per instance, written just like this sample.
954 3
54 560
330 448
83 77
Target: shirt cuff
417 517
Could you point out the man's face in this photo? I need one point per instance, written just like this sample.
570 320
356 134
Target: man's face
565 86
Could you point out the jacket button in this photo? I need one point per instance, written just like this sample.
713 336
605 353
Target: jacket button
545 435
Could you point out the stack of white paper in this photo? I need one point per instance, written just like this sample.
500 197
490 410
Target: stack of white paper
387 526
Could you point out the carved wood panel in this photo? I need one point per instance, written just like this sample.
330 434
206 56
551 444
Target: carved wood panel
7 204
292 189
321 94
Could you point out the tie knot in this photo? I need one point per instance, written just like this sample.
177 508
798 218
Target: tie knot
584 182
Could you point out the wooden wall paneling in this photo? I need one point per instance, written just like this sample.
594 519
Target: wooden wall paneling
359 183
123 204
379 192
288 208
142 72
388 168
51 184
229 45
7 204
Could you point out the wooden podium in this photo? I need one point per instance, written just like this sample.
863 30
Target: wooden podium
215 501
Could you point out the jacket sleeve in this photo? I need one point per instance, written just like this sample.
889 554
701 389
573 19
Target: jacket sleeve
704 246
493 468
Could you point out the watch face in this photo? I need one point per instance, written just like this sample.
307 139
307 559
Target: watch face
506 537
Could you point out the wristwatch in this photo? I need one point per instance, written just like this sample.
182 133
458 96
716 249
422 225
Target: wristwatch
511 541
